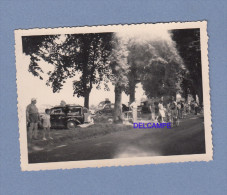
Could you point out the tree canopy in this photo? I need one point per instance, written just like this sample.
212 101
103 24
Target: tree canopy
75 54
157 65
120 67
188 45
164 66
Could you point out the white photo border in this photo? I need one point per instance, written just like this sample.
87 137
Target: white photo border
25 166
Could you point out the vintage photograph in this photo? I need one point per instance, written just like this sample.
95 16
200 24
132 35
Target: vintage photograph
113 95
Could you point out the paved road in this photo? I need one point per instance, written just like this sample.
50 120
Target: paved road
188 138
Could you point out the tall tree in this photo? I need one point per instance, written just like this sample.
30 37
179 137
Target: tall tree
134 69
92 61
164 70
157 65
75 54
188 45
119 67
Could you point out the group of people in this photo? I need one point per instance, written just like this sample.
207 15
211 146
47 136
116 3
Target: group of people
33 119
169 111
175 109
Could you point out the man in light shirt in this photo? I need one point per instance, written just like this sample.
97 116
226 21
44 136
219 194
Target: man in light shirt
133 106
32 115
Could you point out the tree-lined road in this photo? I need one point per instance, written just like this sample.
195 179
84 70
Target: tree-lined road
164 65
188 138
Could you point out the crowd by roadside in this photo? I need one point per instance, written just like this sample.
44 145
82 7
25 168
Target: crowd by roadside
160 111
167 111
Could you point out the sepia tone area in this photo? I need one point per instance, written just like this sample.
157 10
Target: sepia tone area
169 70
121 94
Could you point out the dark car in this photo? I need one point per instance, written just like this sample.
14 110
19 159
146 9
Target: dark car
68 116
102 104
108 110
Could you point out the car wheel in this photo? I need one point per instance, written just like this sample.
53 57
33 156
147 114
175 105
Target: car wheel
71 125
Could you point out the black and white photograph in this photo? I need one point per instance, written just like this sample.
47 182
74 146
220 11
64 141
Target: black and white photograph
114 95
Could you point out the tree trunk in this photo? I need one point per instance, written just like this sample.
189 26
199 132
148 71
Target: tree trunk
86 100
132 91
117 106
186 94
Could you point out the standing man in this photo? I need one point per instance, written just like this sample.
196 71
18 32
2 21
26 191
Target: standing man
179 109
32 116
173 110
133 106
161 110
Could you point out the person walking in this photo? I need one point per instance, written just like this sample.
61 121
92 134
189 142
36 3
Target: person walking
168 111
161 111
179 109
32 115
174 111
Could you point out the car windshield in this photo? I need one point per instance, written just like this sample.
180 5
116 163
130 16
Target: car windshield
74 111
57 111
109 106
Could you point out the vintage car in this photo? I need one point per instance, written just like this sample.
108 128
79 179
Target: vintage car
102 105
107 112
108 109
69 116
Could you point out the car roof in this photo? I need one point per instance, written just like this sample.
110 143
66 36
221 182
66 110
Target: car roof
68 105
73 105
